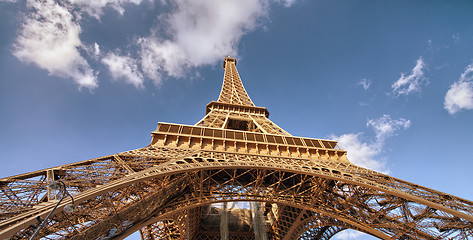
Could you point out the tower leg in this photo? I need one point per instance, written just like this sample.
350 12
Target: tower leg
258 221
224 223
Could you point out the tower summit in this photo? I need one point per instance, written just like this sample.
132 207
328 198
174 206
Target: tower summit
186 183
234 108
233 91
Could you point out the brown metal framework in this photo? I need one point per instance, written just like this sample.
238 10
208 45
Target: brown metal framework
175 188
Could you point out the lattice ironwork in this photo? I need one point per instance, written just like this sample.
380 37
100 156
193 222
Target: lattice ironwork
233 91
305 188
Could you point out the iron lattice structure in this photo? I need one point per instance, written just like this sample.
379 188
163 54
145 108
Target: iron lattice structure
184 184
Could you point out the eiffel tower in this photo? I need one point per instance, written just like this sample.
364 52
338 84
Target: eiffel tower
233 175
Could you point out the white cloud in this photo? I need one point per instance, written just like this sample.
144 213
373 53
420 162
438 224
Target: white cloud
406 85
456 38
366 83
286 3
349 234
96 49
385 126
93 51
124 67
460 94
95 7
50 39
194 33
202 33
361 153
159 58
367 153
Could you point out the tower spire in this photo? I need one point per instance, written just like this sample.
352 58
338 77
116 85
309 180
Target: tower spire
234 108
233 91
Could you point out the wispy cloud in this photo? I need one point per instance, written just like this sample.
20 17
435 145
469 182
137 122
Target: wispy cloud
460 94
367 153
361 152
365 83
191 34
95 8
286 3
96 49
412 83
385 127
124 67
456 38
202 31
49 38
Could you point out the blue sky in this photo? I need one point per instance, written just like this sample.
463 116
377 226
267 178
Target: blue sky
392 81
